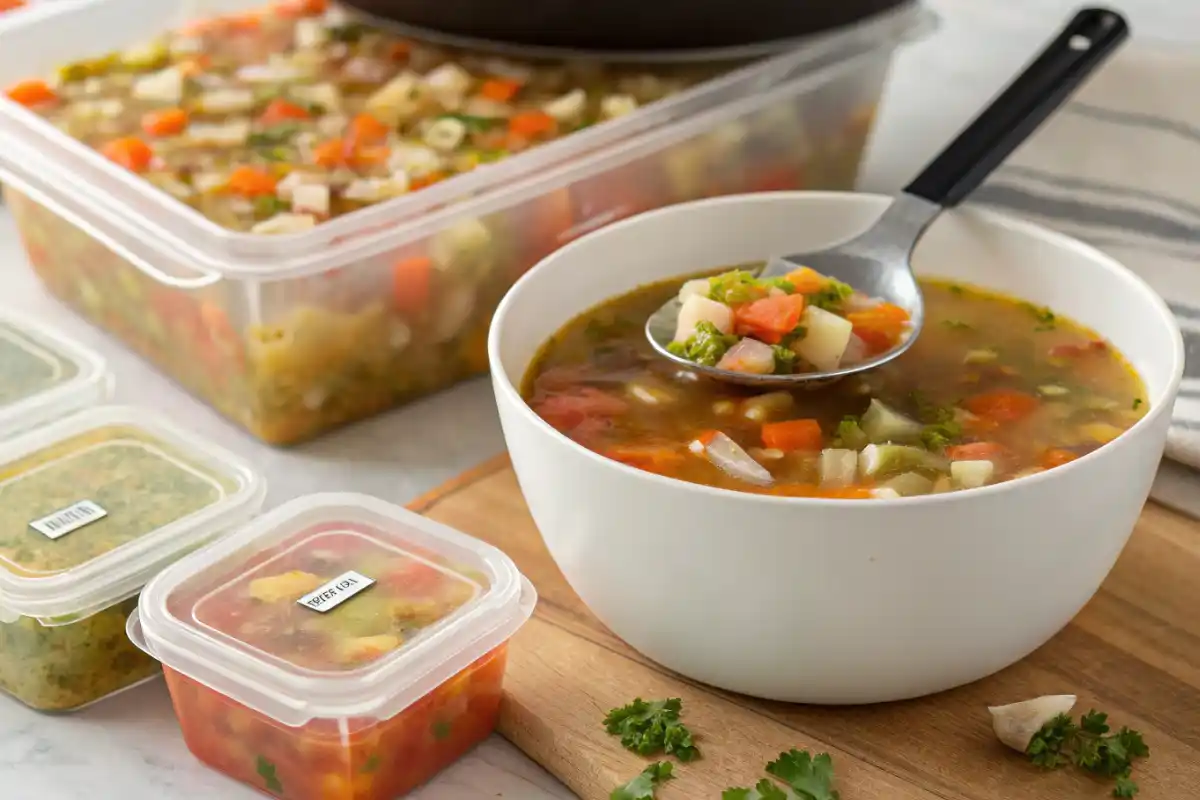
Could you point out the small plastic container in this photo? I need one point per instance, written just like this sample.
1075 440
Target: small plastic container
293 335
44 375
91 507
337 648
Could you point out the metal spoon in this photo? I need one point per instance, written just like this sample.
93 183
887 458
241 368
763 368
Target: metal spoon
877 262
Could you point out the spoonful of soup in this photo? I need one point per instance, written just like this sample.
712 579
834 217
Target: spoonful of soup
813 318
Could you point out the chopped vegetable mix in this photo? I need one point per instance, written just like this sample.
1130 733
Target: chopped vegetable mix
803 322
939 418
258 608
28 368
142 485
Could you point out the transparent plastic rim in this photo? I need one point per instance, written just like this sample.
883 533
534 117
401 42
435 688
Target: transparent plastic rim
40 157
97 584
93 383
380 691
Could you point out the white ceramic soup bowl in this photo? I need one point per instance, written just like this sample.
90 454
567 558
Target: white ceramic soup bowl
833 601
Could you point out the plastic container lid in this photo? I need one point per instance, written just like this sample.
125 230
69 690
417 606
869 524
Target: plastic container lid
93 505
332 606
44 375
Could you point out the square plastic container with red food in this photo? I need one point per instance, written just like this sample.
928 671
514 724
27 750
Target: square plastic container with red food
337 648
91 507
293 334
44 375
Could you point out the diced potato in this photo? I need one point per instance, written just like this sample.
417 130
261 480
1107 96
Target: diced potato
838 467
325 95
699 286
416 160
286 187
289 586
366 648
569 107
311 199
724 408
229 134
373 190
618 105
769 406
910 484
310 33
697 309
972 474
982 356
165 86
651 395
826 339
885 493
448 83
286 223
227 101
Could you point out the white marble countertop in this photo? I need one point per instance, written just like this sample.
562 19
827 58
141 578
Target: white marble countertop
129 748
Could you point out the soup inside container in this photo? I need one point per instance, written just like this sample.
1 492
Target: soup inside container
292 335
337 647
44 375
90 508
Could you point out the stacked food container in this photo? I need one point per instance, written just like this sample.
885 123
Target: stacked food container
317 325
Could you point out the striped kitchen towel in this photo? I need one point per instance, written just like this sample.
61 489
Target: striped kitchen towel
1119 167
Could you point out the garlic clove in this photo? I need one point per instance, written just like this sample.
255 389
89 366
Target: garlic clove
1017 723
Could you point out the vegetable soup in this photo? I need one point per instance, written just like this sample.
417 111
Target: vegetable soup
993 389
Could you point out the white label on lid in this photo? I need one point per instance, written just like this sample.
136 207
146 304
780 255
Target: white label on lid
69 519
336 592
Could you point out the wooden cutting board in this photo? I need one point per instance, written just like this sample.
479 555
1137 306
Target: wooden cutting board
1133 652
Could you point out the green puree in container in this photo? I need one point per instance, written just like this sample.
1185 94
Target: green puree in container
142 485
27 368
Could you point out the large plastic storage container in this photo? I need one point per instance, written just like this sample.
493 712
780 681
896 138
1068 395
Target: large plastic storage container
337 648
292 335
91 507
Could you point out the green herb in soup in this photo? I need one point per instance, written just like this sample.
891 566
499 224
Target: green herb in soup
141 485
994 389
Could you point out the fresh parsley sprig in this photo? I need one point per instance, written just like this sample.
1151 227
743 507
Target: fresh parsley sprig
807 777
652 727
1091 746
642 787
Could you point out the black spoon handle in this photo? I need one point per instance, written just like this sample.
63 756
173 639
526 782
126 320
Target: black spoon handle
1084 44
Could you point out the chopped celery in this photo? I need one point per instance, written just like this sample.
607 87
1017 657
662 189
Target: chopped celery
883 424
850 434
877 460
831 296
785 360
910 484
972 474
736 287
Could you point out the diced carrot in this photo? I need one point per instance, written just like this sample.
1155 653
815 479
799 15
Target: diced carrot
770 318
412 282
1002 405
194 66
977 451
31 93
532 124
369 156
280 110
705 437
130 152
167 122
876 341
426 180
1077 350
366 130
1056 457
500 89
330 154
885 318
796 434
648 458
806 280
299 8
399 51
565 411
252 182
11 5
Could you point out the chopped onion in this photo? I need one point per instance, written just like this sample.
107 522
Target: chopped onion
860 302
838 467
750 356
735 462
